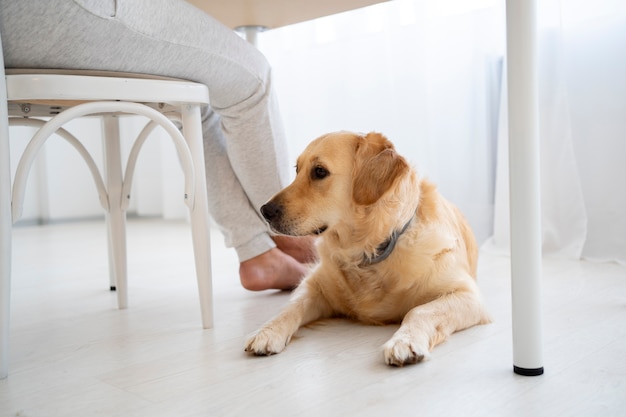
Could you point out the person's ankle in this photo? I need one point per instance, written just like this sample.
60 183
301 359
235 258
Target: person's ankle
252 277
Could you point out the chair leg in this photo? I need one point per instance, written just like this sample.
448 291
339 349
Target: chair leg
6 225
5 244
5 261
116 216
199 213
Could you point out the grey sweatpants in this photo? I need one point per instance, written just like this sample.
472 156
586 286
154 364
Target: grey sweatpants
245 150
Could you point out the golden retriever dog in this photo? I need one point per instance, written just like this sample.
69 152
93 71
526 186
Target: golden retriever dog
391 248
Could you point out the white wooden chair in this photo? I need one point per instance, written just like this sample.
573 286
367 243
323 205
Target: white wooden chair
61 96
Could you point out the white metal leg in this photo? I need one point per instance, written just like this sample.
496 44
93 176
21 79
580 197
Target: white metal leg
5 227
524 187
200 226
251 32
116 216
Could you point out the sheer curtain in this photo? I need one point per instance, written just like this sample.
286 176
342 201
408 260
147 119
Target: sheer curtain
582 106
425 73
429 75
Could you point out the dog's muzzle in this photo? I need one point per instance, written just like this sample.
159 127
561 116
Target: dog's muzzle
271 212
274 214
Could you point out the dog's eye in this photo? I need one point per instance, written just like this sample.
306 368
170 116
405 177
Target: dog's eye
319 173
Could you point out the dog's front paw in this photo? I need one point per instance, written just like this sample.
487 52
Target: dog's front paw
266 341
400 350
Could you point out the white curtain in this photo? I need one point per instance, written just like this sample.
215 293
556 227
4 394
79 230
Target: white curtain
426 74
429 75
582 112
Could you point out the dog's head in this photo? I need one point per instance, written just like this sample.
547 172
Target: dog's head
338 176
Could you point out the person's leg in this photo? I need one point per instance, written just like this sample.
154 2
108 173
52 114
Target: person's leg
174 39
260 268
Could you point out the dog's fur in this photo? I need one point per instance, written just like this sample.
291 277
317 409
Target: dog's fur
355 191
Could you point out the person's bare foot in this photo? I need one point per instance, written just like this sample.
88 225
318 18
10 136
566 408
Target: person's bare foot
273 269
302 249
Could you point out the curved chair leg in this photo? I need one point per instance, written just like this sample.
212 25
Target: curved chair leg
199 211
116 216
191 152
72 140
21 175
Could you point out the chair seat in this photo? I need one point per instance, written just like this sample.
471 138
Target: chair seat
46 92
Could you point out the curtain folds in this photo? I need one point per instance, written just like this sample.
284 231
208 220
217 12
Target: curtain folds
582 106
429 74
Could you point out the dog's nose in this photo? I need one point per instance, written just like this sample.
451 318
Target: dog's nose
271 211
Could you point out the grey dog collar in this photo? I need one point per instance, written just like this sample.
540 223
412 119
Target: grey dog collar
384 249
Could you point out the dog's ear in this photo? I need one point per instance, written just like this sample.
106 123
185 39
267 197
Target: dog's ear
377 165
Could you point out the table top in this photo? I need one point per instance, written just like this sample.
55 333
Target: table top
275 13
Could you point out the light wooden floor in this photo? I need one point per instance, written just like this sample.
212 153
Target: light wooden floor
75 354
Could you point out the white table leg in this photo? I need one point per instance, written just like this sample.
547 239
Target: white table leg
524 187
251 33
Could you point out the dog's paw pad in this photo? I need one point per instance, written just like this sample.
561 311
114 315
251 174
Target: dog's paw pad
266 342
399 352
